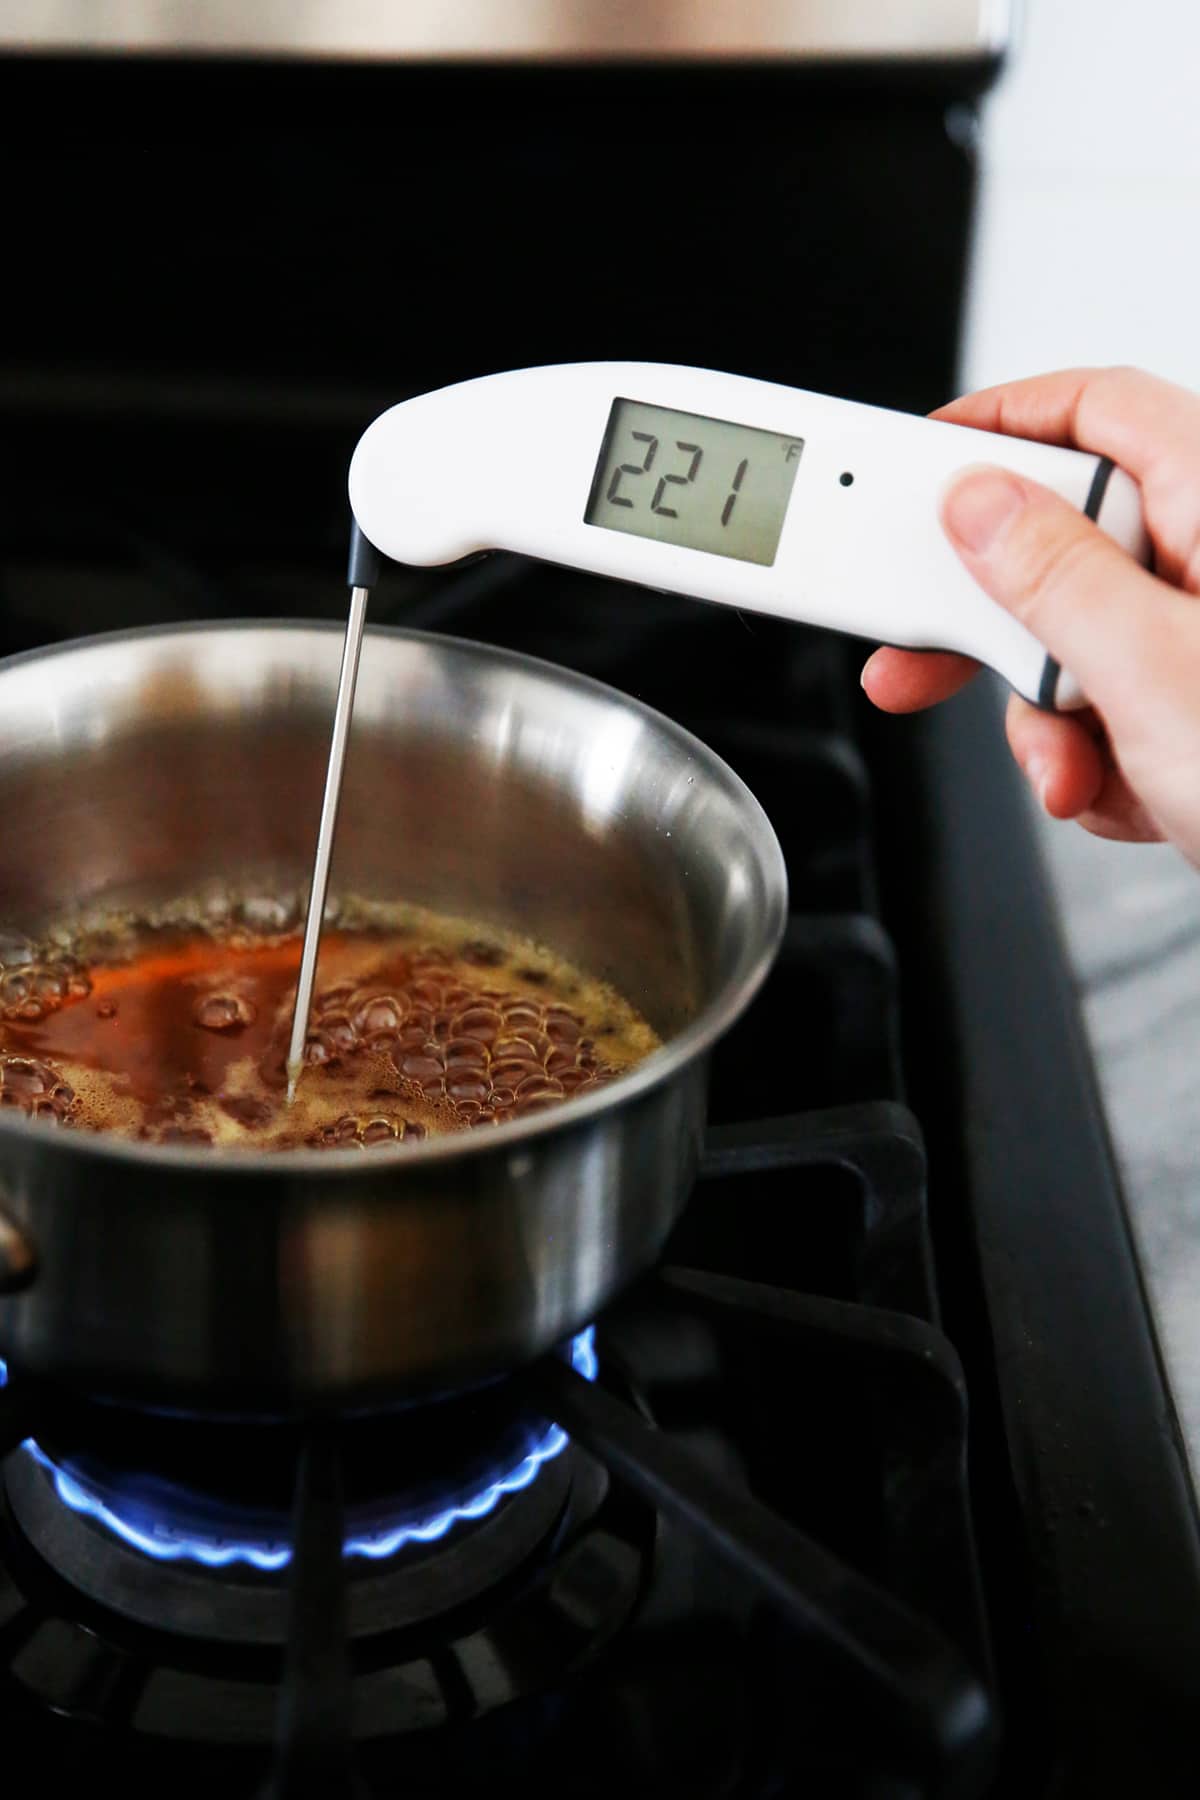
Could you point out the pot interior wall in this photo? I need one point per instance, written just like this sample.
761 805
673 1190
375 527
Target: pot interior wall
145 766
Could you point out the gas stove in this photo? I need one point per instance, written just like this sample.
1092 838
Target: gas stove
760 1463
873 1487
731 1533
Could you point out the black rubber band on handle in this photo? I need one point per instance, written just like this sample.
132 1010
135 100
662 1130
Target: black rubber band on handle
1051 670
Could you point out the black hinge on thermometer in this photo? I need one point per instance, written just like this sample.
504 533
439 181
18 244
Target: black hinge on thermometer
365 562
1051 671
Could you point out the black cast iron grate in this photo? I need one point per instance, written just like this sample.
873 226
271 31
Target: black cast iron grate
906 1645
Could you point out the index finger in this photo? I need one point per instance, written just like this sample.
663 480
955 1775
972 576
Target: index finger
1147 425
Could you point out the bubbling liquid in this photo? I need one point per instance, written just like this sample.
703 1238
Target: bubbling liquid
173 1029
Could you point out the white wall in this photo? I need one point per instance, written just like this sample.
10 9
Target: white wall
1088 241
1088 251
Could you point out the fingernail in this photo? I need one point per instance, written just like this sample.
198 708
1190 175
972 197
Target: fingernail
1037 773
978 505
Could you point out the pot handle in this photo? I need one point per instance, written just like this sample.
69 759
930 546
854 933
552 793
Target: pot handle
18 1259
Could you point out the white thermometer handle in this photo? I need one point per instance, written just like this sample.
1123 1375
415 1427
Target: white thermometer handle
514 461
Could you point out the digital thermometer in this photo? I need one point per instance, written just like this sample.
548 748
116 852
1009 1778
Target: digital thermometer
729 489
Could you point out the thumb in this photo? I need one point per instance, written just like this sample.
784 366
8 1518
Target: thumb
1111 623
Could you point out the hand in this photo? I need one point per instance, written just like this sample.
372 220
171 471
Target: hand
1128 766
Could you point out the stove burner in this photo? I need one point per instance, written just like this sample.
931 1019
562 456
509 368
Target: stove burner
497 1611
174 1524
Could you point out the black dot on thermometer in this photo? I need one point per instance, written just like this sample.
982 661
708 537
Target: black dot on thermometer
846 478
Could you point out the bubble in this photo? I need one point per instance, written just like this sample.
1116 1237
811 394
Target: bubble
466 1050
562 1027
383 1013
223 1012
333 997
106 1009
269 914
338 1033
559 1062
522 1012
467 1086
536 1103
539 1087
381 1131
421 1067
512 1069
16 992
414 1132
35 990
79 982
478 1022
217 905
15 949
35 1088
25 1080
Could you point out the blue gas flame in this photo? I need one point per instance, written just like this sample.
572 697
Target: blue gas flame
168 1545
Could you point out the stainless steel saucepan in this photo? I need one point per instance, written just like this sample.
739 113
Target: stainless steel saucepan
138 766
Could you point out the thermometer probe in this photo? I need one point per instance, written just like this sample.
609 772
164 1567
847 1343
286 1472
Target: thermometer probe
343 708
742 492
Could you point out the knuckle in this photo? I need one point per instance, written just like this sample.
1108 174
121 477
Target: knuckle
1171 501
1110 393
1120 379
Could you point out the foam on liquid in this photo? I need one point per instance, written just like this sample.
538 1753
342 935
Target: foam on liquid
174 1028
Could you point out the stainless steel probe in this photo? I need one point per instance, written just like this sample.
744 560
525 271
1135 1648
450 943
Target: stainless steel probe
362 574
